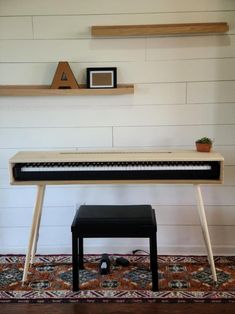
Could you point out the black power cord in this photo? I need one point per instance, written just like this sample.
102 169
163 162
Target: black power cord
139 251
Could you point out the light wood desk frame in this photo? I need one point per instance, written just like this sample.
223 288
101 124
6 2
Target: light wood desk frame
55 156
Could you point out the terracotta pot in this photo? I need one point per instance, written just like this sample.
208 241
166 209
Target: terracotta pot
203 147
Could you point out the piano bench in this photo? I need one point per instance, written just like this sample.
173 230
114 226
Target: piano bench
113 221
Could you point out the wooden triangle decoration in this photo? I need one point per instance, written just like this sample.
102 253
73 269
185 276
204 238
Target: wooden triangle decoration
64 78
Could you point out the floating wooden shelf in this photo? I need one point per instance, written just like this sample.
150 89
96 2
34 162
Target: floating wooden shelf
159 29
45 90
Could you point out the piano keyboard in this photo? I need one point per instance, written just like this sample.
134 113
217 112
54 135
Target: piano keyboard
115 166
112 166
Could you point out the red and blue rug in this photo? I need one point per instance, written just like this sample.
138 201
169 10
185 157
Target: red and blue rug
181 279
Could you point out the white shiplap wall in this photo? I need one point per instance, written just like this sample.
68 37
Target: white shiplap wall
184 89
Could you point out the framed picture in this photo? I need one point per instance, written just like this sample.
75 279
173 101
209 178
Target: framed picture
101 77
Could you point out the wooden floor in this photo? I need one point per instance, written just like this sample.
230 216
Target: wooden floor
156 308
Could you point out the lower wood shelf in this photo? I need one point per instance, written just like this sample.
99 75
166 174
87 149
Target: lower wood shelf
45 90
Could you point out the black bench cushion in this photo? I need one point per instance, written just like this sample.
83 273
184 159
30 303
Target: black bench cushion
114 220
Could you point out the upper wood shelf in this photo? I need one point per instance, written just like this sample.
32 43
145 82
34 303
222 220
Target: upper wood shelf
45 90
159 29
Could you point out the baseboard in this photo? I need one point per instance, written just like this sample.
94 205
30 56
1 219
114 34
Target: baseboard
162 250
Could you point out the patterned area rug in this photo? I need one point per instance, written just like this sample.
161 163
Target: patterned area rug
181 279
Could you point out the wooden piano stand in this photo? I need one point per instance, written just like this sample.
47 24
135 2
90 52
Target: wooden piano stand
34 232
33 238
205 231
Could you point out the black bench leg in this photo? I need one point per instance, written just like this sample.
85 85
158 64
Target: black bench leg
153 261
80 260
75 263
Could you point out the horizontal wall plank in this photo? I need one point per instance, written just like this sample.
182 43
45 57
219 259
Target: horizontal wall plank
172 135
193 235
19 236
51 216
180 70
160 93
87 116
229 175
211 92
53 137
16 28
61 27
133 72
194 47
27 7
27 73
217 195
166 215
4 178
87 50
188 215
124 49
227 153
167 235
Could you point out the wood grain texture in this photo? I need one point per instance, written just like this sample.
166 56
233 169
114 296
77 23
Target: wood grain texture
45 90
24 157
112 308
159 29
64 77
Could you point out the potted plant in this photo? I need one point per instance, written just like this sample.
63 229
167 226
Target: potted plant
204 144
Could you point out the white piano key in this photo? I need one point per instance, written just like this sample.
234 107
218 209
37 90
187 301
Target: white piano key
115 168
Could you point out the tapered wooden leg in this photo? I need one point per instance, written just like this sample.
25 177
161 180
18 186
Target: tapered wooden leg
205 231
34 228
36 233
